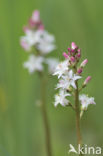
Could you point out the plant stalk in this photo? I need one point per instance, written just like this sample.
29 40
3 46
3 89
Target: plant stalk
77 109
45 116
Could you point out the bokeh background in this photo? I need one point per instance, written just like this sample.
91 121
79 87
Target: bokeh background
21 128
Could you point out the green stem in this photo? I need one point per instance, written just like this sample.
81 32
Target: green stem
77 109
45 116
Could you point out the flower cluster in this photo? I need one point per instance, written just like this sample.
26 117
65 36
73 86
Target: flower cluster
38 42
69 72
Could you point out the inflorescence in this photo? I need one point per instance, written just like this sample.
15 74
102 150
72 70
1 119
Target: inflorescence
69 72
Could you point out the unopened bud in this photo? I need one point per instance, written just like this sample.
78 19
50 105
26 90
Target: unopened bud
69 49
87 80
79 50
73 50
69 53
65 55
79 71
73 45
72 59
84 63
36 16
78 55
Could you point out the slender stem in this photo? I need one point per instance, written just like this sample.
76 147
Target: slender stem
77 109
45 117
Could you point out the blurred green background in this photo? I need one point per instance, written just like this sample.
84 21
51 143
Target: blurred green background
21 128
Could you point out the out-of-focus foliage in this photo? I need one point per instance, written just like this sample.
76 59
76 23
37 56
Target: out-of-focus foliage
21 128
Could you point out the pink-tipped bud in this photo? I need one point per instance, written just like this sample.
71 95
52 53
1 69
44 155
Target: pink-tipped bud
87 80
72 59
79 71
65 55
84 63
79 50
69 53
78 55
36 16
69 49
73 45
73 50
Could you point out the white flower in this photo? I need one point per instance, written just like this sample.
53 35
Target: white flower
85 101
61 68
31 38
46 42
61 98
34 63
41 39
52 63
68 80
25 44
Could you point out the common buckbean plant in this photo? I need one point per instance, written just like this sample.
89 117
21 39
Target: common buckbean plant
38 43
69 73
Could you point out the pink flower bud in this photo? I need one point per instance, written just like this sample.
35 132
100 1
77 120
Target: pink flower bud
73 45
79 50
36 16
69 49
79 71
65 55
78 55
87 80
84 63
72 59
69 53
73 50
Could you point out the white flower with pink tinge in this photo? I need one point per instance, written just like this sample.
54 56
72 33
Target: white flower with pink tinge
61 68
85 101
34 63
42 40
31 38
24 43
73 45
61 98
68 80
